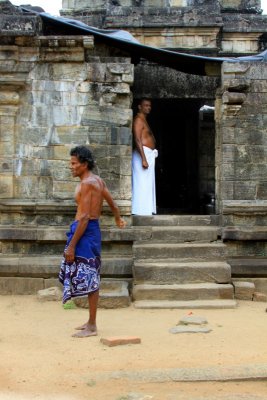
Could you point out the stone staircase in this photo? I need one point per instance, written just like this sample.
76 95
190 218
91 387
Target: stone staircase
182 264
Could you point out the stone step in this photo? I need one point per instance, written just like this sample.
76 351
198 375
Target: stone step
48 267
172 220
196 291
189 305
179 273
180 234
180 251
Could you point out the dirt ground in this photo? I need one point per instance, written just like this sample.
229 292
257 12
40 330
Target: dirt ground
40 360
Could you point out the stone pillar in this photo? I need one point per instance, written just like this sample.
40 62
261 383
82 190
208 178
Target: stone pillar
241 153
8 109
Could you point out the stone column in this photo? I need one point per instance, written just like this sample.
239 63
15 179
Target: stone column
9 99
241 117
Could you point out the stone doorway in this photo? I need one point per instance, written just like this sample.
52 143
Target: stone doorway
185 176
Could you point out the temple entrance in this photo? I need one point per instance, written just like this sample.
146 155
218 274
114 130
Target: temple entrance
185 171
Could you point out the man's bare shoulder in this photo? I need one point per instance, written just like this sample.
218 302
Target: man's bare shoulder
93 181
138 117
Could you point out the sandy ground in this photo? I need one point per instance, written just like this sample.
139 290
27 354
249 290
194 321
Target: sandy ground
40 359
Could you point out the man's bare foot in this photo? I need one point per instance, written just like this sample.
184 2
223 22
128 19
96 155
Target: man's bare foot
82 327
86 332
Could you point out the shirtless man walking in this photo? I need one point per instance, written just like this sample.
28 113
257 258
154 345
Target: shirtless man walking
80 267
143 163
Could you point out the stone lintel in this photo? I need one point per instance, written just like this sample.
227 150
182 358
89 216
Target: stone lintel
176 37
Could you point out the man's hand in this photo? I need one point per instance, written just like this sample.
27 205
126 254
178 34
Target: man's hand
145 164
69 254
120 222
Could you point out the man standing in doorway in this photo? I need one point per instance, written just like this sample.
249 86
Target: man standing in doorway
143 163
80 267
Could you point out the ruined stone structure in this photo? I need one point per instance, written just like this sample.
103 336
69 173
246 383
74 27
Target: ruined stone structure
61 89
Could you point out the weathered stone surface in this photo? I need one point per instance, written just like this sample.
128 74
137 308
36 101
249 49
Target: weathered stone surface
190 329
23 286
113 294
188 272
192 320
49 294
183 292
181 251
259 283
253 233
257 296
244 290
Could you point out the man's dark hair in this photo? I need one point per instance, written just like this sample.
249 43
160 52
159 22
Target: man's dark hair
84 155
140 101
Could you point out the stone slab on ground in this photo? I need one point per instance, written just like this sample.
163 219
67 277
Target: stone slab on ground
49 294
120 340
245 372
193 320
190 329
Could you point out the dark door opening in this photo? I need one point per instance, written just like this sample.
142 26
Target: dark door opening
181 176
175 126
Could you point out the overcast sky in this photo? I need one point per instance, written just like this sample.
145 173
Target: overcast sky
53 6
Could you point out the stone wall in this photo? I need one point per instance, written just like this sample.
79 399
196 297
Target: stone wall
241 153
56 93
204 26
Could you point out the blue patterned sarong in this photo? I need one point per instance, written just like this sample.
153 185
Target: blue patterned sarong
82 276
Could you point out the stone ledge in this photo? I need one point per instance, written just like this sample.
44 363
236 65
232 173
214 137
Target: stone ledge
258 207
248 266
58 233
254 233
66 207
48 267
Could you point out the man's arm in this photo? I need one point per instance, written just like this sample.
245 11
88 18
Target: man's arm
84 211
137 131
113 206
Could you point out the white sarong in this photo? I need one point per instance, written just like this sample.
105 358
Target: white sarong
143 183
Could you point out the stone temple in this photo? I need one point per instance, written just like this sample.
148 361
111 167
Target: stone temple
61 86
